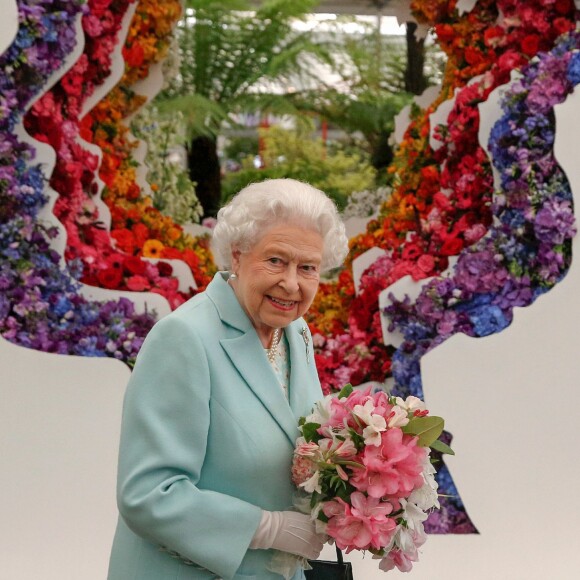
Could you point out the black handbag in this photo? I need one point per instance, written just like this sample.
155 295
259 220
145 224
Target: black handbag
327 570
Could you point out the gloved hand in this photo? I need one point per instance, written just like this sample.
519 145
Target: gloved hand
291 532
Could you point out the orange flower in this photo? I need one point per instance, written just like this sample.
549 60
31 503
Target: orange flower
153 249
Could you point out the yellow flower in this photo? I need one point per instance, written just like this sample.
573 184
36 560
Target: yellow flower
153 249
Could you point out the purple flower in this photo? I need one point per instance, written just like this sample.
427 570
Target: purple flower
554 223
478 271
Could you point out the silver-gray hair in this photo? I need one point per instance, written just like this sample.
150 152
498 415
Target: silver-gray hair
260 206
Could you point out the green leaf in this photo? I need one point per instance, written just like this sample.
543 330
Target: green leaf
427 429
438 445
357 439
345 391
309 432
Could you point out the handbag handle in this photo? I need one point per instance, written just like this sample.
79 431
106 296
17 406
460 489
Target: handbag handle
339 555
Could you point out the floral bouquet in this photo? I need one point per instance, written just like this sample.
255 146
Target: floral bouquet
364 462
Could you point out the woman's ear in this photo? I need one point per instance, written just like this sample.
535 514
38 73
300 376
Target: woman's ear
235 259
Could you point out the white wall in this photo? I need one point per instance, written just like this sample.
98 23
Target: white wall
59 430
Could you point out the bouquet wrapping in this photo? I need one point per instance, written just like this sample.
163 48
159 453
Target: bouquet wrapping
364 468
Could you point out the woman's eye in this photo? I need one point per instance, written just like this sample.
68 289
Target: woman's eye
275 261
310 268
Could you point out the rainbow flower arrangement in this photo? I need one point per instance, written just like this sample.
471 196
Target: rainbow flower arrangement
528 249
139 229
441 201
40 306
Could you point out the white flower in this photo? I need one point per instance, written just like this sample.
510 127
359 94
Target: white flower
321 413
426 496
376 424
411 404
413 515
312 484
408 540
404 539
398 417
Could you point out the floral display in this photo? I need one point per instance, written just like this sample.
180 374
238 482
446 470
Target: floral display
441 201
528 249
107 262
364 462
512 245
40 304
138 228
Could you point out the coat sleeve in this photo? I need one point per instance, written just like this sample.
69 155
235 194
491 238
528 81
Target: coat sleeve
163 443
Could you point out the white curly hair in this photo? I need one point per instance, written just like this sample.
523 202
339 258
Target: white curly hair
260 206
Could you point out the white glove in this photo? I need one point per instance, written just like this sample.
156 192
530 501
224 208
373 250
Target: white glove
291 532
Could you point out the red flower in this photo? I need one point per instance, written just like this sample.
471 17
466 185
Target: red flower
135 265
125 240
134 192
564 6
141 233
473 56
134 56
451 247
426 264
164 269
494 36
562 25
72 84
190 258
412 251
110 278
138 283
171 254
85 128
530 44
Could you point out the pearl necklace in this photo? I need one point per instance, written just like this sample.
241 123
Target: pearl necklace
273 350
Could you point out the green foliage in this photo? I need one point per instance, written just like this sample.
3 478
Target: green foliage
240 147
227 47
297 155
438 445
345 391
309 431
427 429
371 68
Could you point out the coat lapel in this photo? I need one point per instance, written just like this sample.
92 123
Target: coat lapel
301 355
247 355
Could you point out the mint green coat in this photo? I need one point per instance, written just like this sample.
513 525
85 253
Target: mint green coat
206 443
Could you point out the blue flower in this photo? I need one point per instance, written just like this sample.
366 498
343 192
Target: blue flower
488 320
574 68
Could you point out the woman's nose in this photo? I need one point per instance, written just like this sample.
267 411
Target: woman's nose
289 280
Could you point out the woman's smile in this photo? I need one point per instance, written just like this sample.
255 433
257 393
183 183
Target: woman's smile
286 305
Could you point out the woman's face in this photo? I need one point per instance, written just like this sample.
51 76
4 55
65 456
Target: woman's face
278 278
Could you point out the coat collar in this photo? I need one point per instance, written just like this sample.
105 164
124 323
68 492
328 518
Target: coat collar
248 357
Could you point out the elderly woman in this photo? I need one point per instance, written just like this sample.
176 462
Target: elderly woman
212 407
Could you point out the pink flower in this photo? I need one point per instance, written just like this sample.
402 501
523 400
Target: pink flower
307 449
392 469
302 469
137 283
397 558
361 526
